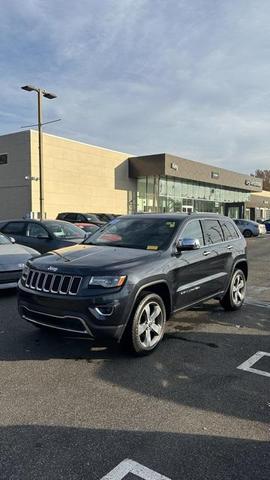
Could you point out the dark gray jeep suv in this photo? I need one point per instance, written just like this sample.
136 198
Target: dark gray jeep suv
133 274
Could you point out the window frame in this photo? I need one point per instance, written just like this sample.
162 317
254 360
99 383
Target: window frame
4 155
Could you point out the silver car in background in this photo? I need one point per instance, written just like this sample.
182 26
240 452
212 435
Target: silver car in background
12 260
249 228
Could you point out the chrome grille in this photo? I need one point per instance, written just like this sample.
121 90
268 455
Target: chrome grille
53 282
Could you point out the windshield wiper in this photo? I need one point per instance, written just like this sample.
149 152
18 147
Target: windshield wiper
62 256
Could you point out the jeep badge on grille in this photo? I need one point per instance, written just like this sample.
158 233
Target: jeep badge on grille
53 269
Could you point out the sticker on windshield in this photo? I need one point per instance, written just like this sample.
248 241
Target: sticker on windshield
152 247
170 224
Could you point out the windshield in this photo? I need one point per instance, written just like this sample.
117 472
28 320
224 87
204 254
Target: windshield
143 233
4 240
64 230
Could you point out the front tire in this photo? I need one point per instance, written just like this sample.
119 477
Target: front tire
147 325
235 295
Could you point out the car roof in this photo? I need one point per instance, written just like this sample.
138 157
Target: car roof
246 220
176 216
170 216
30 220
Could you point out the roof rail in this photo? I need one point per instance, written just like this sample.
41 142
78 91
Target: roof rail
204 213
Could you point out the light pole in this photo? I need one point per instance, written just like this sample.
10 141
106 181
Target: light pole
41 93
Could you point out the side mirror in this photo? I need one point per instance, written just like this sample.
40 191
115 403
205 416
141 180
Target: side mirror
12 240
188 244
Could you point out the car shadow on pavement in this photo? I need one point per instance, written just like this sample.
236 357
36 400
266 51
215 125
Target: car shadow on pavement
196 367
211 313
36 452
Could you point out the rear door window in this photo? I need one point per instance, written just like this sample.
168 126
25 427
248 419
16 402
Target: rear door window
15 228
35 230
212 231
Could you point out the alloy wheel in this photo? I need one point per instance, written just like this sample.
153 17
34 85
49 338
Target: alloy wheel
151 325
238 288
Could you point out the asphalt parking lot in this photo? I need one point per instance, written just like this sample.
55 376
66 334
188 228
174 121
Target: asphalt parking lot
74 410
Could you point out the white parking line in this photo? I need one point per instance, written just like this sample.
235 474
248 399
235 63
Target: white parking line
251 361
129 466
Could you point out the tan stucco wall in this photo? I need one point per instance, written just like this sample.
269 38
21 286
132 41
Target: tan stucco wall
263 193
15 192
79 177
260 200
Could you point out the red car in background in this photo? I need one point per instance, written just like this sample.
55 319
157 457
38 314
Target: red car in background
89 228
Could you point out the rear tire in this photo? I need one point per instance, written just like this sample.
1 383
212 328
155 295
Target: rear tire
235 295
147 325
247 233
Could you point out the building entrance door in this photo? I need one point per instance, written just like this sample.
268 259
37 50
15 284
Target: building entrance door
234 210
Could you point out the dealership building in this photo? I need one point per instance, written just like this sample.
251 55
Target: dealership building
79 177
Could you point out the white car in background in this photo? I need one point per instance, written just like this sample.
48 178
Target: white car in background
249 228
12 260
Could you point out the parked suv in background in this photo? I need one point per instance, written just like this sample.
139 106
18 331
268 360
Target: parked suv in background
82 218
128 279
44 235
249 228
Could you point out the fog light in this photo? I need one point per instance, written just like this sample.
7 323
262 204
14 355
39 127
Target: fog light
104 310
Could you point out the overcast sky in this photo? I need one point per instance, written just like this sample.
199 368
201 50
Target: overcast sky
187 77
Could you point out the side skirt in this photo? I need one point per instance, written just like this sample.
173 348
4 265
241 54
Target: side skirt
185 307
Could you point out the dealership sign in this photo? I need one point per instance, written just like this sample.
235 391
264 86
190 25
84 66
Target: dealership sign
253 183
174 166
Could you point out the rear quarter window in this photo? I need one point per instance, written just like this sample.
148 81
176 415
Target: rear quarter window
229 231
14 227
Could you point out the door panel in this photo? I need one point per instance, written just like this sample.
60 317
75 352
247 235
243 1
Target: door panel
191 268
192 273
220 253
33 231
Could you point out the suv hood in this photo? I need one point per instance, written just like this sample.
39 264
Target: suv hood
94 257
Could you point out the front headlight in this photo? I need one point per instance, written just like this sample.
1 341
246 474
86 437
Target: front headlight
107 281
25 272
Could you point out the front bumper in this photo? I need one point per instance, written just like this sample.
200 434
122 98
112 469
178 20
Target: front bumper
97 317
9 279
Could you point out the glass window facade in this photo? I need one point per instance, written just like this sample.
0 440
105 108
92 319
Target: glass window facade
169 194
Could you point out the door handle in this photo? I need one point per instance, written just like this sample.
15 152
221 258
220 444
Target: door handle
229 247
206 253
